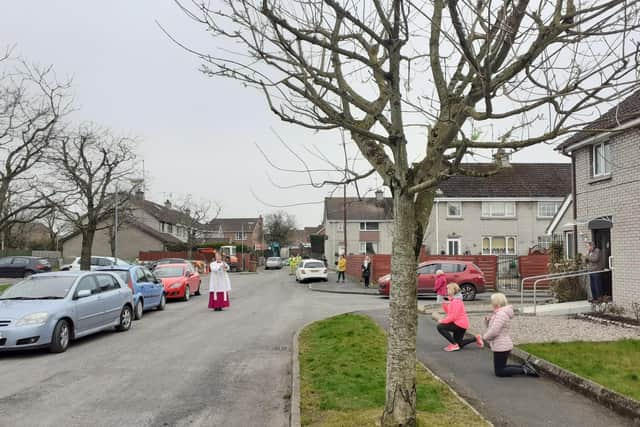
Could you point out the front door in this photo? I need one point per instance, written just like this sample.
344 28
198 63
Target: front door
602 240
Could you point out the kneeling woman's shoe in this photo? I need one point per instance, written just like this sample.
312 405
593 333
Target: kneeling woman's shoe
452 347
530 370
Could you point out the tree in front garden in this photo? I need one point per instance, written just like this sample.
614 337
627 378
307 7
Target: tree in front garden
92 176
472 75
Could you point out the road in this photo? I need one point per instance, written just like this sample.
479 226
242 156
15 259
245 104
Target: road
186 366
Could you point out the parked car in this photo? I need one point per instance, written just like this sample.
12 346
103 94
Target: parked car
51 309
148 291
180 280
96 262
273 262
23 266
464 273
311 269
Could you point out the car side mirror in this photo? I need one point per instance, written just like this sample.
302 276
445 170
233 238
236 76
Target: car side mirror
83 293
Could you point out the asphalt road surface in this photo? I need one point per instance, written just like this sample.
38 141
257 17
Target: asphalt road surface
186 366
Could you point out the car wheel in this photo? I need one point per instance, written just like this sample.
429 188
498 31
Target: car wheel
187 294
198 290
61 337
468 292
125 319
163 303
138 312
27 273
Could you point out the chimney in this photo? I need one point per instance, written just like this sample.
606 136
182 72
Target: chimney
379 195
501 158
167 204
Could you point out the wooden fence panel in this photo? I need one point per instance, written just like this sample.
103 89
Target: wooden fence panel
534 265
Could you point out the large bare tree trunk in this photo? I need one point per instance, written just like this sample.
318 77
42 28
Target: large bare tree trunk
85 252
401 352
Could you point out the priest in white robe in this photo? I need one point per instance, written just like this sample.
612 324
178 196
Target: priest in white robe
219 284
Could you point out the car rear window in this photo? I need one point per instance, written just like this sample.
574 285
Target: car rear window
313 264
163 272
124 275
273 259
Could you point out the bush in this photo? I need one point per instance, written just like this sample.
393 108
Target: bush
570 288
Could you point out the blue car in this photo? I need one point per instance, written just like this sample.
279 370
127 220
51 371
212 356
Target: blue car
148 291
51 309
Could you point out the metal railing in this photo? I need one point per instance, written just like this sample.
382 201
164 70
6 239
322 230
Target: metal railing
552 276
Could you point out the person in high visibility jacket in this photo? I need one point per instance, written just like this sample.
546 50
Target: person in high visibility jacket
342 267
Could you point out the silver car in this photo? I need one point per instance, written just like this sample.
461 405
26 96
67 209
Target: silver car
51 309
273 262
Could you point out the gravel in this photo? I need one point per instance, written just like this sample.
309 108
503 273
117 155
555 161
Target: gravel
531 329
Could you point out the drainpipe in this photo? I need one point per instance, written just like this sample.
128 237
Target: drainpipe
437 227
575 204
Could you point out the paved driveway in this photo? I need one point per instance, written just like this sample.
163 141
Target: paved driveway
187 366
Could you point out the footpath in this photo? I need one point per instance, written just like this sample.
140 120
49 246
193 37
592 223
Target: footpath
516 401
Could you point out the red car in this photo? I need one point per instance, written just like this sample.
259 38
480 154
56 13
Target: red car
180 281
464 273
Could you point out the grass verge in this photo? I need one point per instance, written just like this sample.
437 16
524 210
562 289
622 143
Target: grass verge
613 364
342 379
3 287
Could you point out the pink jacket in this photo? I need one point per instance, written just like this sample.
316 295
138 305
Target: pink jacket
441 285
498 332
456 313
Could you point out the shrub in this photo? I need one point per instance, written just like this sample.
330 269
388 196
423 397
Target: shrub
635 308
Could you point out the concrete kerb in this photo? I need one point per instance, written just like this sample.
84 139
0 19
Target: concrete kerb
334 291
620 404
295 381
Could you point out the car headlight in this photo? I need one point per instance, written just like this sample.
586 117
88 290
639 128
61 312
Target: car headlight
33 319
175 285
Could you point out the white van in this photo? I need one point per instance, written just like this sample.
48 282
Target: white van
96 261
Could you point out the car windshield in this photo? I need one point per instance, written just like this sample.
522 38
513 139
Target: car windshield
163 272
38 287
273 259
313 264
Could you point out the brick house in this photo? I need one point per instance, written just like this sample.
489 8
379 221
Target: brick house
502 214
247 231
369 225
607 192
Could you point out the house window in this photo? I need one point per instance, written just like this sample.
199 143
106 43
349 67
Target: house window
453 246
368 247
499 245
548 209
369 226
240 235
569 245
169 228
601 159
499 209
454 209
340 227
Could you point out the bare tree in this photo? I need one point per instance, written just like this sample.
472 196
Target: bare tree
32 103
92 166
194 215
379 69
278 227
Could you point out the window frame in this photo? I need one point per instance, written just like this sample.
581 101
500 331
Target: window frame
605 159
364 226
459 209
241 235
556 204
487 210
506 238
374 246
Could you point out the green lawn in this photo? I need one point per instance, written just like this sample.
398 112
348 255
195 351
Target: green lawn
343 369
3 287
614 364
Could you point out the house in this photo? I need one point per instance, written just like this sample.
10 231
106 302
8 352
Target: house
506 213
369 223
247 231
143 226
605 157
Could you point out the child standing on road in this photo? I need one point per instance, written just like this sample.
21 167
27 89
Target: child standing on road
440 287
342 267
499 340
456 322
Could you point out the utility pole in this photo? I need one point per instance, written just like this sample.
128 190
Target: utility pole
344 194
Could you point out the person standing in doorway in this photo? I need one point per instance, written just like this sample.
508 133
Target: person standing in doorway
342 267
366 270
219 284
595 262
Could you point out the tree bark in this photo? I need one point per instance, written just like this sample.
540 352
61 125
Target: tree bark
401 352
85 252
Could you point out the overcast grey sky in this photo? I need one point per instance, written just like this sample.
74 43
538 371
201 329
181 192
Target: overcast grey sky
196 134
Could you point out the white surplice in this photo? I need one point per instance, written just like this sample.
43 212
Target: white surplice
219 279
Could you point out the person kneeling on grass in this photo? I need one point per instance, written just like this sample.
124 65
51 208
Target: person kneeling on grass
456 322
499 340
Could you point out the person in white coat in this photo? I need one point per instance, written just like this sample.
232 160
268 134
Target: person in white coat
219 284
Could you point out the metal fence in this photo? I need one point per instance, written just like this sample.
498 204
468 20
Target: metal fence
507 273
